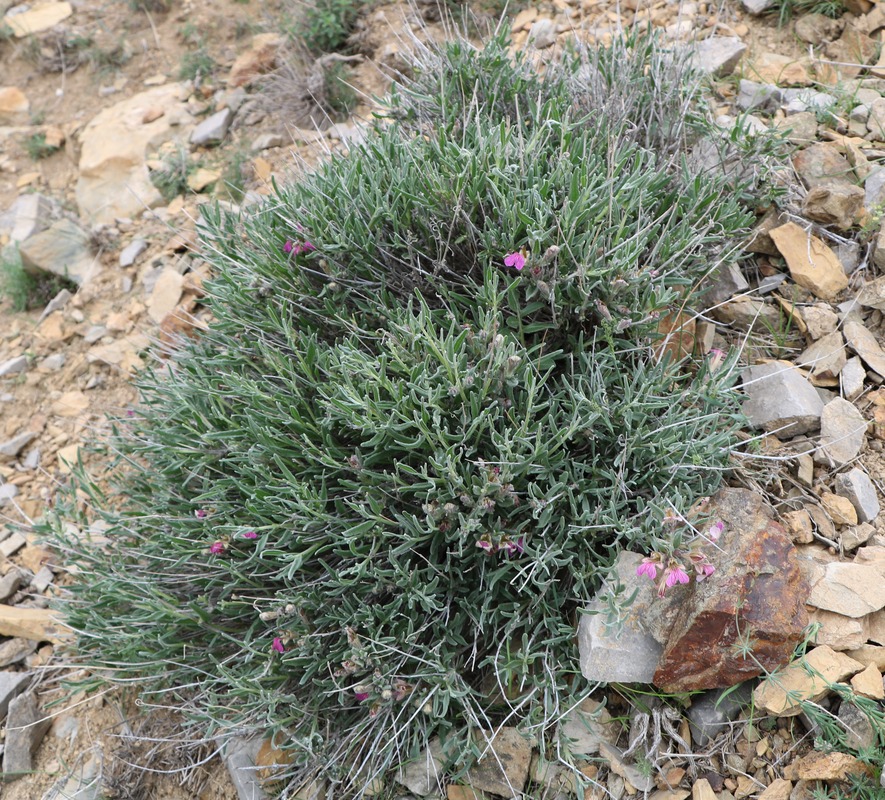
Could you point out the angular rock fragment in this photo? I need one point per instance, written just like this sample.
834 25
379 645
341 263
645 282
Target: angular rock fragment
717 56
851 379
757 595
780 400
811 263
826 357
843 431
26 726
504 769
859 489
859 339
850 589
63 250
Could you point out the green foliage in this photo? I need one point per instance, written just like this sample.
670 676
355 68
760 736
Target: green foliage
196 65
234 175
328 24
787 9
23 290
340 96
37 148
415 463
171 177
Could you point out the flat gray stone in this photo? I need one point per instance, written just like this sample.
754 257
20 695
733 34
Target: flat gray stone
9 584
851 379
424 775
780 400
842 433
759 96
29 214
542 33
13 366
8 493
585 726
874 191
132 251
825 357
14 543
711 713
63 250
625 650
239 757
858 728
52 363
758 6
11 685
56 304
717 56
25 728
268 140
212 130
724 283
12 651
12 447
859 489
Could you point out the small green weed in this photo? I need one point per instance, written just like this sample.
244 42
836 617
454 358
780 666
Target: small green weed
196 65
37 148
787 9
23 290
234 175
341 97
328 24
171 177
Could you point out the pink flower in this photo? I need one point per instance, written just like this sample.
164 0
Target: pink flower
216 548
715 530
648 567
278 645
249 535
673 574
201 513
515 260
288 246
361 696
512 547
702 567
486 545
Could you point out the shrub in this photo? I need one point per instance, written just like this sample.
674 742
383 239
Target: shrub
328 24
368 505
37 148
23 290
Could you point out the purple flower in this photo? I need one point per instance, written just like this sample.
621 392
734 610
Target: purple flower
216 547
201 513
278 645
486 544
288 246
515 260
249 535
360 696
715 530
512 547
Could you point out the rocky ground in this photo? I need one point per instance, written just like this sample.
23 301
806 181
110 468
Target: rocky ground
95 97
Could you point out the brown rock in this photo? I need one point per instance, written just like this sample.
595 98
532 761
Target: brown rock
798 525
70 404
757 594
806 679
853 590
39 624
13 104
504 768
869 683
261 57
811 263
820 320
822 165
455 791
841 205
837 631
869 654
778 789
825 357
825 767
702 790
39 17
760 240
165 294
781 70
840 509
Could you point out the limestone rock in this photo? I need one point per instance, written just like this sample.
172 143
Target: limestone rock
798 525
165 294
12 447
724 283
39 17
423 776
856 536
239 756
12 684
859 734
757 7
712 712
746 313
28 214
837 631
826 357
820 320
843 432
132 251
818 28
619 766
757 594
212 130
865 345
781 693
841 205
850 589
811 263
822 165
779 69
584 727
778 789
261 57
114 180
62 249
25 728
851 379
817 766
872 295
869 683
13 366
717 56
14 105
840 509
542 33
504 769
780 400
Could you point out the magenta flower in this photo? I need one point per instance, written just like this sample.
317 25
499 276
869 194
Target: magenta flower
648 567
515 260
288 246
201 513
486 545
673 574
715 530
249 535
278 645
702 567
512 547
361 696
216 548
